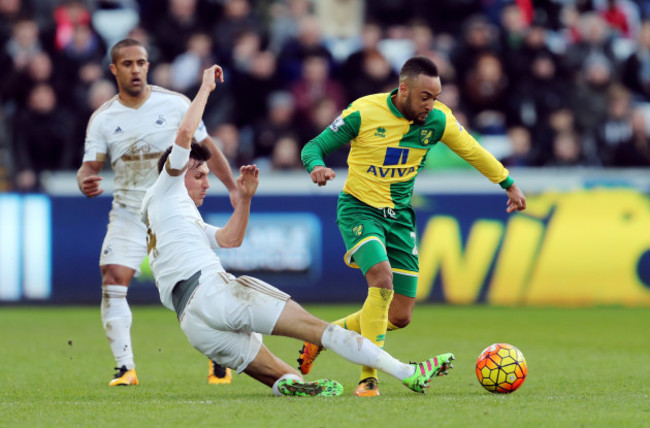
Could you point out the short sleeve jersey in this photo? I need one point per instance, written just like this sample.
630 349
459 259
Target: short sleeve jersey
176 239
388 151
134 139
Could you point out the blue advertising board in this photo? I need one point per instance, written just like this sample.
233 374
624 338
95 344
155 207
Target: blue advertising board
578 247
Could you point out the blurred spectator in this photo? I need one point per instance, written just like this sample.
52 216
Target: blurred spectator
485 92
172 31
560 120
187 68
635 152
538 91
567 150
16 86
24 43
521 154
254 78
594 44
588 97
42 138
307 43
68 15
375 76
371 33
84 47
341 22
617 127
534 44
114 19
514 28
478 37
315 85
88 73
397 46
621 15
227 137
636 69
286 154
285 16
278 122
426 43
238 17
10 11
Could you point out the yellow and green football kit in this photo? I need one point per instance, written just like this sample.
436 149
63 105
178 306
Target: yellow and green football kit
387 152
374 211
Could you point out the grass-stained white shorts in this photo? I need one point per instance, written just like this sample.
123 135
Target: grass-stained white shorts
226 316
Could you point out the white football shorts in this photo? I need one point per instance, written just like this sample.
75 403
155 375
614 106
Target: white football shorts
125 243
226 317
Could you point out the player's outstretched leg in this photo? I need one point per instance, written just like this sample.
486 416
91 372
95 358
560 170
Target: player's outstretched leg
124 377
308 354
436 366
300 388
219 375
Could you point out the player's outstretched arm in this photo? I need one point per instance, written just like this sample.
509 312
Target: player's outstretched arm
516 199
193 115
232 234
88 178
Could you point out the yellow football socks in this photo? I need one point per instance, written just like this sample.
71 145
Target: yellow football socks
373 321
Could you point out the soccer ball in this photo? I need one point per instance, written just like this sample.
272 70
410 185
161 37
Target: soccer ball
501 368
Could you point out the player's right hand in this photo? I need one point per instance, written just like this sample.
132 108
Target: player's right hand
211 75
90 186
321 175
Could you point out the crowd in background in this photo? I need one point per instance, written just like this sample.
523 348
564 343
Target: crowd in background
564 82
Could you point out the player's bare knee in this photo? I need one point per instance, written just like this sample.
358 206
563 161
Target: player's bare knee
380 279
400 320
113 275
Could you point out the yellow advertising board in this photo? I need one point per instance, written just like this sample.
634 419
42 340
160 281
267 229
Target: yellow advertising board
583 247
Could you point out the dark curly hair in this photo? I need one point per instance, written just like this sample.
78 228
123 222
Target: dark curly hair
198 152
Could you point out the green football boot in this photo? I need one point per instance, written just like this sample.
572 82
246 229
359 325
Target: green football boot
436 366
299 388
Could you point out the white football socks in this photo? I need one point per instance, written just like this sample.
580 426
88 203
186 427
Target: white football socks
116 319
357 349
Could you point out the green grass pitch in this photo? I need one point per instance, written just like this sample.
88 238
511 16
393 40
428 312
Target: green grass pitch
586 367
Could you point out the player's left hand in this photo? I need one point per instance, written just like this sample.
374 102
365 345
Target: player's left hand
516 199
247 181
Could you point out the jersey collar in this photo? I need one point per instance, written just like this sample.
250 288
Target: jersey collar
391 106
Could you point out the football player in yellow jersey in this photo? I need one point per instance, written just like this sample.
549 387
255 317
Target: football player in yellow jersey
390 135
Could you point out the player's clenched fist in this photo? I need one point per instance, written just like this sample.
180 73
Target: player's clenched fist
321 175
90 186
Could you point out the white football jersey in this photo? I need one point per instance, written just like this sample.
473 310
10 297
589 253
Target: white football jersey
177 243
134 139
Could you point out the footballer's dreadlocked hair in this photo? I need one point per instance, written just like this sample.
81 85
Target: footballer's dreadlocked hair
125 43
199 152
418 65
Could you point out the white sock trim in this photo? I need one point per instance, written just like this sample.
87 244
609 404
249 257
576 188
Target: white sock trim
275 389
